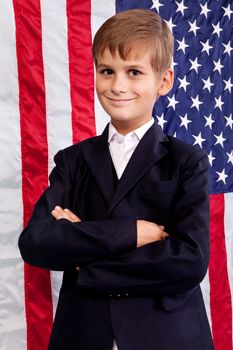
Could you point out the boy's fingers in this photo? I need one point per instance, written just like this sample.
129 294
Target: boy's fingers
73 216
57 208
59 213
165 235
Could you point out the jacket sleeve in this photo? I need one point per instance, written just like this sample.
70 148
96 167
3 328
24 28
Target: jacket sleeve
175 265
61 244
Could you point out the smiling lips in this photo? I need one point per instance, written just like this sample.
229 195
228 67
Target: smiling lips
118 100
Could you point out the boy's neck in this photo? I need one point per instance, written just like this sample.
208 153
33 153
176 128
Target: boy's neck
124 128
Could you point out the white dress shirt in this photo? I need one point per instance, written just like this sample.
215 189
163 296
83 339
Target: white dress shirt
121 149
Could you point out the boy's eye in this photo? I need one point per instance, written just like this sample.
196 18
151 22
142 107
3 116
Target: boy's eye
106 71
134 72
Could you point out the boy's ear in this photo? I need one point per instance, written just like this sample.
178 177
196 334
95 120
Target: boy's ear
166 82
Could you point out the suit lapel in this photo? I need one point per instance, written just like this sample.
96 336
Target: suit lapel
149 150
98 157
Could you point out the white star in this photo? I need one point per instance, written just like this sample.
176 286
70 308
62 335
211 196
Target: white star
230 157
228 48
204 10
182 45
170 24
209 121
181 7
228 84
161 120
222 176
183 83
211 158
206 47
195 65
156 5
207 83
193 27
185 121
198 139
220 139
196 102
229 121
172 101
227 11
218 103
217 29
218 66
173 64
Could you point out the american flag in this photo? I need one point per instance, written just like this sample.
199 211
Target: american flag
47 102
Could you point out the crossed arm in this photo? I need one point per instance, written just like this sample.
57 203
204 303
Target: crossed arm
135 254
147 232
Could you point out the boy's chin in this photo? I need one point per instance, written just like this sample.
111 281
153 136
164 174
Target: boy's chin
122 120
127 122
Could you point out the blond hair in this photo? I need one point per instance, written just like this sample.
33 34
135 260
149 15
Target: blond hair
138 29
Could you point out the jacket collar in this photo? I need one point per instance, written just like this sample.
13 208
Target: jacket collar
150 149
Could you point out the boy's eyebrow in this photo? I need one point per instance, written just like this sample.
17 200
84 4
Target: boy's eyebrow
131 66
102 65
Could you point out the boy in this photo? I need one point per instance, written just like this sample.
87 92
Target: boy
126 215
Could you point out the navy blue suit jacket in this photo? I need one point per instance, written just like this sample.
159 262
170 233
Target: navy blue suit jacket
148 297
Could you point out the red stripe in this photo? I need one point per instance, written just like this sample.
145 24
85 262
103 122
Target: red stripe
38 300
81 69
220 295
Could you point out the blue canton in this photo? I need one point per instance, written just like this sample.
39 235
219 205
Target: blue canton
198 109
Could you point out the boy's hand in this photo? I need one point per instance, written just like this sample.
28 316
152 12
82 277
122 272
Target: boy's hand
59 213
148 232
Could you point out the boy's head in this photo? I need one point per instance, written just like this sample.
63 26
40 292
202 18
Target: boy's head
136 30
132 52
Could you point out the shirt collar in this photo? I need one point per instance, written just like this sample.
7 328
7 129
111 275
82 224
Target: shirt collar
139 132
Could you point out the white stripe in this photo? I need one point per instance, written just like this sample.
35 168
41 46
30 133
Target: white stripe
205 288
228 221
57 86
101 11
56 70
12 312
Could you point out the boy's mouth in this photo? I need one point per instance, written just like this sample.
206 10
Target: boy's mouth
120 100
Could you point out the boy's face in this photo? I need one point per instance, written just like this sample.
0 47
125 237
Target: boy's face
128 89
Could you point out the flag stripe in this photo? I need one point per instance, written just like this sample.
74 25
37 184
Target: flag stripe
56 73
81 69
12 322
57 82
34 159
220 297
229 237
101 11
205 288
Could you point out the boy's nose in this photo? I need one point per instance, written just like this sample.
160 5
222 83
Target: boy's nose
119 85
